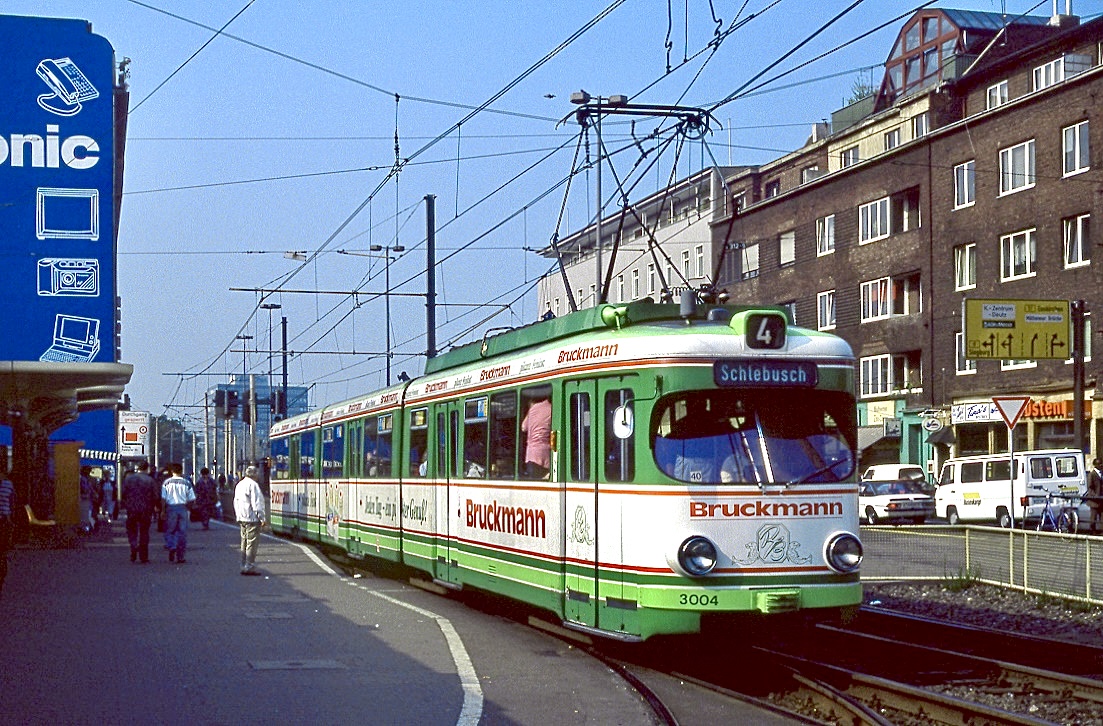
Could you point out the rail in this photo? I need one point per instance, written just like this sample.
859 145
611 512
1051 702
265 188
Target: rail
1050 563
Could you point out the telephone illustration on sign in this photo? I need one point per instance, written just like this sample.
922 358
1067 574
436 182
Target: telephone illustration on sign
69 85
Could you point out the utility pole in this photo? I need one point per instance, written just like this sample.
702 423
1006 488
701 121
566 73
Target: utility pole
431 276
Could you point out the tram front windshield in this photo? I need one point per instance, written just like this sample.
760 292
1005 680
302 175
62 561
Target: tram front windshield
755 437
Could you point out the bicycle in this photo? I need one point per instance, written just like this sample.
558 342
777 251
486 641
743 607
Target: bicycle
1066 521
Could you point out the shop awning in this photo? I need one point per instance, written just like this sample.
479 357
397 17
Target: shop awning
870 435
944 436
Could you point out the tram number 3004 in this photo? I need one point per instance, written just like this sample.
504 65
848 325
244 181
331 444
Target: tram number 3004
696 599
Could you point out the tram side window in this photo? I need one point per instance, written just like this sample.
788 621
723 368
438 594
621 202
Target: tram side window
536 431
419 441
306 455
620 462
579 463
377 446
475 425
281 459
333 451
503 435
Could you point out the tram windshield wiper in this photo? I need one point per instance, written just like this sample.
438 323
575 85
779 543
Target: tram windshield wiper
817 472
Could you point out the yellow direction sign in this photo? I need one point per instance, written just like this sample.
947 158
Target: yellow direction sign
1018 329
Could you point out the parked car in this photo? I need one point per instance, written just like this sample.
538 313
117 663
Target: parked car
894 501
898 472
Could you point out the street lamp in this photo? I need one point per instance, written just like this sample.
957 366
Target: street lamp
270 307
244 353
387 250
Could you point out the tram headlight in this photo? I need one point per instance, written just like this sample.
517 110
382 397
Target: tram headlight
697 556
843 552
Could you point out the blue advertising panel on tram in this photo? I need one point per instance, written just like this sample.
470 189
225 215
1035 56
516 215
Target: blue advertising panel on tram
57 241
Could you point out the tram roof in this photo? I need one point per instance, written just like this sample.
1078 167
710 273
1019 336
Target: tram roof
601 317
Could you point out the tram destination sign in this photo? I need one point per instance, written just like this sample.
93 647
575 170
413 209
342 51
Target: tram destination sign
1017 329
771 373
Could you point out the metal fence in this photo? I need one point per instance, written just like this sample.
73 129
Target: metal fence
1038 562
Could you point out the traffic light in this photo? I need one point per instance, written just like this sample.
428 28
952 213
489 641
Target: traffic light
220 403
231 404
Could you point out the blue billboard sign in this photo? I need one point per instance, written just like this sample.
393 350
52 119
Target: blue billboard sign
57 153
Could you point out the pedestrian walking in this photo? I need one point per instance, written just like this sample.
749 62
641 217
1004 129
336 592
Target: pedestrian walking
206 497
250 512
139 499
177 494
87 517
108 499
1095 494
7 502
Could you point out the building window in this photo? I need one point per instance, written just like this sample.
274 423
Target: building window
1018 255
773 189
1077 246
787 253
825 302
997 94
651 279
750 261
620 288
849 156
555 309
965 266
635 284
920 126
1017 363
1076 148
965 366
965 189
740 201
809 173
699 253
904 211
873 221
825 235
876 373
791 308
876 299
892 139
1048 74
685 265
1017 167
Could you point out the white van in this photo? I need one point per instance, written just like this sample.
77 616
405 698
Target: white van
978 488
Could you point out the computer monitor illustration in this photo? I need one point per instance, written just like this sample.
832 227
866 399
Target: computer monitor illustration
67 213
76 340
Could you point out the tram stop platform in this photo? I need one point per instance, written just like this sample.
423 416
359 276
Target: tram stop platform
89 637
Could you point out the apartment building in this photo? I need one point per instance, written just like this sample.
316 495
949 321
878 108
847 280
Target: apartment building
655 249
970 173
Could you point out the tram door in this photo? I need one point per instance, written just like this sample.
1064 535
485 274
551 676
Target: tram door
580 514
448 463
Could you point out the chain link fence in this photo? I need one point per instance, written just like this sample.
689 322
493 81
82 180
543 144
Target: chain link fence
1039 562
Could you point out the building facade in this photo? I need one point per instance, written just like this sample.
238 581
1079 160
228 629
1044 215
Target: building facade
973 175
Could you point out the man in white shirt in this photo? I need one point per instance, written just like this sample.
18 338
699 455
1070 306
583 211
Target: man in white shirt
250 512
177 493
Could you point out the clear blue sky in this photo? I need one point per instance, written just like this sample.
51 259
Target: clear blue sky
271 140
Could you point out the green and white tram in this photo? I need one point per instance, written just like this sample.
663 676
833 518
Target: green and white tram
630 468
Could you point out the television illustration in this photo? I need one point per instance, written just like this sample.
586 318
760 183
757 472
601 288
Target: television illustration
67 213
68 277
69 86
76 340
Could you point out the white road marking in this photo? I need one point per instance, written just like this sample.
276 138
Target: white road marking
472 710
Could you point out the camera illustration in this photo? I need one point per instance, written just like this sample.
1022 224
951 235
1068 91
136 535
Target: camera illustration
69 277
